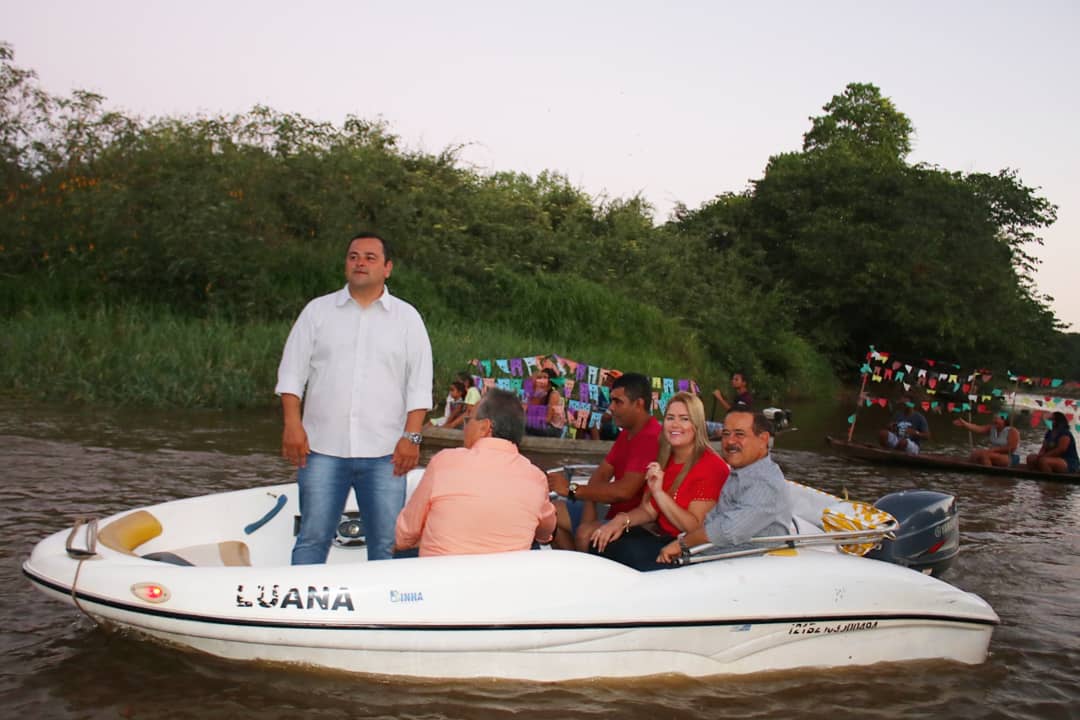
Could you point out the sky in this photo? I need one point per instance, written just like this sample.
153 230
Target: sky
675 101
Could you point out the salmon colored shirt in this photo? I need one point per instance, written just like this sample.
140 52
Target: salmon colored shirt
484 499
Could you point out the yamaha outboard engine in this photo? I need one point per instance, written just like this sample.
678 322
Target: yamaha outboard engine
929 534
780 418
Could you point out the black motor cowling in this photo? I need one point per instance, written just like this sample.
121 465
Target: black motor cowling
780 418
928 538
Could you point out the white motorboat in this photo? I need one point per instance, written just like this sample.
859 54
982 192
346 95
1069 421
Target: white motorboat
212 573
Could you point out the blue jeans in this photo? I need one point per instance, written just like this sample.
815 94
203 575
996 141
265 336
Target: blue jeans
324 486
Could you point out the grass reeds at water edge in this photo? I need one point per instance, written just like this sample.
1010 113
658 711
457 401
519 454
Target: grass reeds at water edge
139 356
135 355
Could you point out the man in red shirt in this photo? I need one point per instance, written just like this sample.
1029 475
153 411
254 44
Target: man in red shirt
620 479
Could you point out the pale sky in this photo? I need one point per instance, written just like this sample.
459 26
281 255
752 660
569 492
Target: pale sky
676 101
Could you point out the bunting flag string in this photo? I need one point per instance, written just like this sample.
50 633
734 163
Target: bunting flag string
981 404
931 376
951 389
586 387
1044 382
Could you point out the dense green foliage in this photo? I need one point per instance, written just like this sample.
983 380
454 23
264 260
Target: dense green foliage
139 258
872 250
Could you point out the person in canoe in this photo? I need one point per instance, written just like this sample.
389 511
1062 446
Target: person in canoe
1004 440
740 386
546 409
908 430
1058 451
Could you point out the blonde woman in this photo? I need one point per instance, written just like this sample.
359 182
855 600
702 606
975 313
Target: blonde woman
683 485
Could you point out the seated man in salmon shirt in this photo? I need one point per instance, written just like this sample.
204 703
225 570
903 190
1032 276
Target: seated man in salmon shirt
483 498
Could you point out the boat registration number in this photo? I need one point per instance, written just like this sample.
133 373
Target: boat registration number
814 628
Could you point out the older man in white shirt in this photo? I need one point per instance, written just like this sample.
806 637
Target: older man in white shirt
360 359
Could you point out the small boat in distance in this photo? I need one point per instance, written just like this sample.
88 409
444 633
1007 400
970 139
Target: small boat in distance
876 454
438 437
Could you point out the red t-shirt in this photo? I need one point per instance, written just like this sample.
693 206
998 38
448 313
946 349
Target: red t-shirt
634 454
703 482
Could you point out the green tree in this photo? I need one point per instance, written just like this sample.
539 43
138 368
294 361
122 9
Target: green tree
863 121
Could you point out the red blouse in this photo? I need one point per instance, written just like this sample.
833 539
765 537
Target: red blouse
703 482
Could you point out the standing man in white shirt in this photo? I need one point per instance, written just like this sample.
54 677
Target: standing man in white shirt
360 359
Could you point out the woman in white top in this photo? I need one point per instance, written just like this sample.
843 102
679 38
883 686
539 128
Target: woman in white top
1004 440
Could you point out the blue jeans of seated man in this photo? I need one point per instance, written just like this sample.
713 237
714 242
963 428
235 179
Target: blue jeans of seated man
325 483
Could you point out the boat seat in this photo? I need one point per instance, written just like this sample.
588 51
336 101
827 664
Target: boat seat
229 553
129 532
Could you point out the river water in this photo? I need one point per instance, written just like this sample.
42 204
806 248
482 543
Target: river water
1020 541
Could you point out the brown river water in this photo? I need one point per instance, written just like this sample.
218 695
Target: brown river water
1020 541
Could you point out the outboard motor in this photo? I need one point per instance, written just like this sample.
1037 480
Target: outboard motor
929 534
779 418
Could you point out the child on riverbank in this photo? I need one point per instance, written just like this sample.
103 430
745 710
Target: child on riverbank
454 411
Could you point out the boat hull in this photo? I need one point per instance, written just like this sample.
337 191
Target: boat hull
529 615
874 454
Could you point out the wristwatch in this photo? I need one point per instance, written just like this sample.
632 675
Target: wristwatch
414 438
571 494
682 545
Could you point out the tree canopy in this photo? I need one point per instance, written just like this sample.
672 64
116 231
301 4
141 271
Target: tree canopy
245 216
870 249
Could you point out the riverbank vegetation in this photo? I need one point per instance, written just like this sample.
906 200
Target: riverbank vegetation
161 261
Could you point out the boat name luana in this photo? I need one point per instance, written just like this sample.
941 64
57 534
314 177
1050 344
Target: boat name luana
270 597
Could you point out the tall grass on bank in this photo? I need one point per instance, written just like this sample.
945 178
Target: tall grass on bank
151 357
139 356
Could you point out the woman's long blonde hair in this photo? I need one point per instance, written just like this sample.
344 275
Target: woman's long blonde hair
701 434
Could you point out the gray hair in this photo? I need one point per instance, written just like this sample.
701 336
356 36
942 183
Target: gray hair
503 409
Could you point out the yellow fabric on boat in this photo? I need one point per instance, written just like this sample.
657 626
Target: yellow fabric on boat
852 516
129 532
784 552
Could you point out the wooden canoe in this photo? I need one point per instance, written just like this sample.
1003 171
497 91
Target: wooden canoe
875 454
437 437
564 447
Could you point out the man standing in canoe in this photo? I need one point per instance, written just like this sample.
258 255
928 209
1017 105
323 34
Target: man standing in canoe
361 361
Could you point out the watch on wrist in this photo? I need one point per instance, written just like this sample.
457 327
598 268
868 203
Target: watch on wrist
682 544
414 438
571 494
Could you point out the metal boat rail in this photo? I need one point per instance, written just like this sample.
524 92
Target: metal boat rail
768 544
773 543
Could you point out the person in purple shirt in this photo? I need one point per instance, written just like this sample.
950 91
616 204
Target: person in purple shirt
741 386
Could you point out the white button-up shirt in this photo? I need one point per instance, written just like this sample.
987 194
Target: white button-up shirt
363 370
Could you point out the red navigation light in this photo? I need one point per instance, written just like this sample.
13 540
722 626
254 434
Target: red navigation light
150 592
